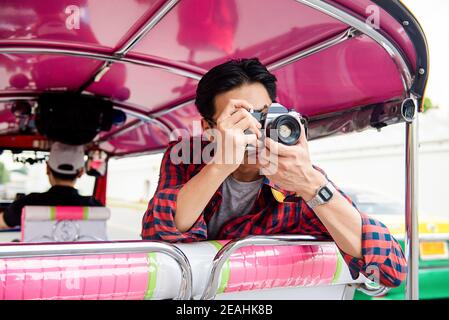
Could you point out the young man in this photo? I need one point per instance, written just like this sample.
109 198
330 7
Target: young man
65 165
228 200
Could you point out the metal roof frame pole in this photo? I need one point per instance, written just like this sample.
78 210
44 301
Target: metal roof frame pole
411 198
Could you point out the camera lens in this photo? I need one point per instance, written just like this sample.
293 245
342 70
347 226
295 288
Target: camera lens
285 129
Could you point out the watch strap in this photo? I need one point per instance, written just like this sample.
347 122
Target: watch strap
317 200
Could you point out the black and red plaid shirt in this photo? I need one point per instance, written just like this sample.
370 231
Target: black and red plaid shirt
268 216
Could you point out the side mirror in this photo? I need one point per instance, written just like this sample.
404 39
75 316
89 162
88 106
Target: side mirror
96 163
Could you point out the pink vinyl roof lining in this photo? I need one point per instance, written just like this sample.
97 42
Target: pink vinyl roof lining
349 74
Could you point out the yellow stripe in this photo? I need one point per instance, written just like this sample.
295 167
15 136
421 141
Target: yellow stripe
279 196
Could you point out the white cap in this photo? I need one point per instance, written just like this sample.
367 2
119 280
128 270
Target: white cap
66 159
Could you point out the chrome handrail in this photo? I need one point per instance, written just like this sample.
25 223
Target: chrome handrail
227 250
29 250
326 44
373 291
146 28
106 57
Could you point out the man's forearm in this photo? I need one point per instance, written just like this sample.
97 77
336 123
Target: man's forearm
194 196
340 218
344 224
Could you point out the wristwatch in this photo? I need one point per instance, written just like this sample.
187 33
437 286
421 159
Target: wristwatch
323 195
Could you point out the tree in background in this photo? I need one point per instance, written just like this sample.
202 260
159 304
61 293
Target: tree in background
428 104
4 174
22 170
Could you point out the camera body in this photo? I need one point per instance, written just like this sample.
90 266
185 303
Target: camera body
280 124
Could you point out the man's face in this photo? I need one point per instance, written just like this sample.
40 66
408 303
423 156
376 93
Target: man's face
254 93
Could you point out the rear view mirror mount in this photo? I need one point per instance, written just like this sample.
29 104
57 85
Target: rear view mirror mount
74 119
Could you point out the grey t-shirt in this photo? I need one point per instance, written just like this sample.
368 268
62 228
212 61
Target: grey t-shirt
237 200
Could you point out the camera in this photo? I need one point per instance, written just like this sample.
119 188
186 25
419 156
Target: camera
279 123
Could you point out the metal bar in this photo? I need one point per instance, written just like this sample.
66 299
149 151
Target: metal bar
411 209
366 29
150 24
224 254
96 76
152 116
348 34
138 153
26 97
140 122
29 250
122 130
102 57
131 42
351 32
132 127
162 112
139 115
373 291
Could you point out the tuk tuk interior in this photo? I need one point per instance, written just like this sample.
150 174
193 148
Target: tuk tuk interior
344 65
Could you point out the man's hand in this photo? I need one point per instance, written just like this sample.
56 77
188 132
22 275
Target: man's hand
230 134
290 167
3 224
231 142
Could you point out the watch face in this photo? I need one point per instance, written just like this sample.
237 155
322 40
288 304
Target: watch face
325 194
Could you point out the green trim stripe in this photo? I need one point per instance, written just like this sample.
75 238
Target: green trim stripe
85 213
152 275
225 272
52 213
338 267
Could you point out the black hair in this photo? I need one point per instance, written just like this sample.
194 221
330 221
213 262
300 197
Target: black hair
230 75
63 176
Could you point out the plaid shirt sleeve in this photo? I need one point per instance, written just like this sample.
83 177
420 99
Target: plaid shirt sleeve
158 221
382 259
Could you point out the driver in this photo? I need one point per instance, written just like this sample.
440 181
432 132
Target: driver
223 199
65 165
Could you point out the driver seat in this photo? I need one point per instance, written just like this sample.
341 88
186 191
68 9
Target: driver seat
64 223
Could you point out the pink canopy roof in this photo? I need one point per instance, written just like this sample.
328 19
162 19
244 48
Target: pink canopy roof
147 56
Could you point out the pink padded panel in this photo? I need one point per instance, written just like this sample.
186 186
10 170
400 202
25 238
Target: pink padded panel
298 265
69 213
329 257
2 279
272 260
14 281
307 269
33 279
250 275
123 276
51 285
264 267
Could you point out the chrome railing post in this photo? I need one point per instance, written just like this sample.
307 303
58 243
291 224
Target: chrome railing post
29 250
373 291
411 202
